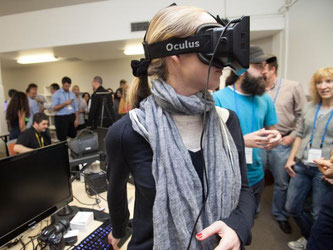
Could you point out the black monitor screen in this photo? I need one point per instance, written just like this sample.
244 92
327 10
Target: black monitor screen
33 185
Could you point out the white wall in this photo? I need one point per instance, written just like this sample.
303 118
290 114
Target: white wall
3 125
252 7
86 23
310 39
81 73
106 21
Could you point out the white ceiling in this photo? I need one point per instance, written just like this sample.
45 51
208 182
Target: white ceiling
81 52
9 7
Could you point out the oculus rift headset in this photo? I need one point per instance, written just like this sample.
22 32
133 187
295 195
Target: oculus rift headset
231 42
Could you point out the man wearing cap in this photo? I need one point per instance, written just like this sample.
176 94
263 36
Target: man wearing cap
288 98
244 95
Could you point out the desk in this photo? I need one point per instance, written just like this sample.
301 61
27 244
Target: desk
80 194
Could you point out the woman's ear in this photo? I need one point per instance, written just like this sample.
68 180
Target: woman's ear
175 59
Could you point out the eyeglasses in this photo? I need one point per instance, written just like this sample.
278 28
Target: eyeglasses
260 66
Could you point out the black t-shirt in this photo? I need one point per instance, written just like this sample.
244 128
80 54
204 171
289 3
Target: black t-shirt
30 138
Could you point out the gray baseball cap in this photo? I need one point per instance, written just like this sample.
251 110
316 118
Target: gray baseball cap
257 55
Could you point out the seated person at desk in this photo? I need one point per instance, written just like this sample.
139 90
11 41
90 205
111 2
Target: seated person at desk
36 136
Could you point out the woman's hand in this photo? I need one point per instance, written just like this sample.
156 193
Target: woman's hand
289 169
113 241
326 167
229 238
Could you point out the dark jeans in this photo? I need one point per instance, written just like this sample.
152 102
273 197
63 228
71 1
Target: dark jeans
321 236
257 190
307 179
277 158
65 126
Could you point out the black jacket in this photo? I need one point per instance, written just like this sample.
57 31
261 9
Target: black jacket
128 152
101 103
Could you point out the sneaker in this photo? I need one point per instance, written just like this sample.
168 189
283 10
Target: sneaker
299 244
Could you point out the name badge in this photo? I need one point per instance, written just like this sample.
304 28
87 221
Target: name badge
249 155
314 154
69 107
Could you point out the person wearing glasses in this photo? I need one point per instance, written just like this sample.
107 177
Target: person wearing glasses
158 143
313 141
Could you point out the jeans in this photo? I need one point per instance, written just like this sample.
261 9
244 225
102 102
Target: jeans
321 236
307 179
277 158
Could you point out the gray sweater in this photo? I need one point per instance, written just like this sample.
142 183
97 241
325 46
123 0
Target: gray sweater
304 132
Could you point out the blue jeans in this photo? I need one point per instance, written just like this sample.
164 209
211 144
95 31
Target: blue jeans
307 179
277 158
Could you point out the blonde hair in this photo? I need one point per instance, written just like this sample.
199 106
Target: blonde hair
170 22
319 75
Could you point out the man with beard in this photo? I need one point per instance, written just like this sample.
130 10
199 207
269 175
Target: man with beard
37 136
288 98
244 95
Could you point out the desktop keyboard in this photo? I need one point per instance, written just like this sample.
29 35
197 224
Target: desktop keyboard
99 238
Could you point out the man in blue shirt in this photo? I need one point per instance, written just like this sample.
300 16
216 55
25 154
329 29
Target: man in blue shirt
244 95
66 111
33 104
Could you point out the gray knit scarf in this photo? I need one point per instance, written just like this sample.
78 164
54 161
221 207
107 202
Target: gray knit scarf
179 196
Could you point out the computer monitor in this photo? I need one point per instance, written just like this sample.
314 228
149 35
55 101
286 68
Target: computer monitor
33 186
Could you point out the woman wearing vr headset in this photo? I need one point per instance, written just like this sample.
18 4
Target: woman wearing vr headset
187 195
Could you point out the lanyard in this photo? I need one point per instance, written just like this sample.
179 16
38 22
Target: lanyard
314 126
40 140
277 91
237 111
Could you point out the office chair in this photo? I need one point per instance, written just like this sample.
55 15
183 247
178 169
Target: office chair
10 147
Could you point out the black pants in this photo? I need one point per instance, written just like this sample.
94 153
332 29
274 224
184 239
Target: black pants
257 191
321 236
65 126
82 126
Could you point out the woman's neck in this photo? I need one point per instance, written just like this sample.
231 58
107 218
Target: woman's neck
327 103
180 87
